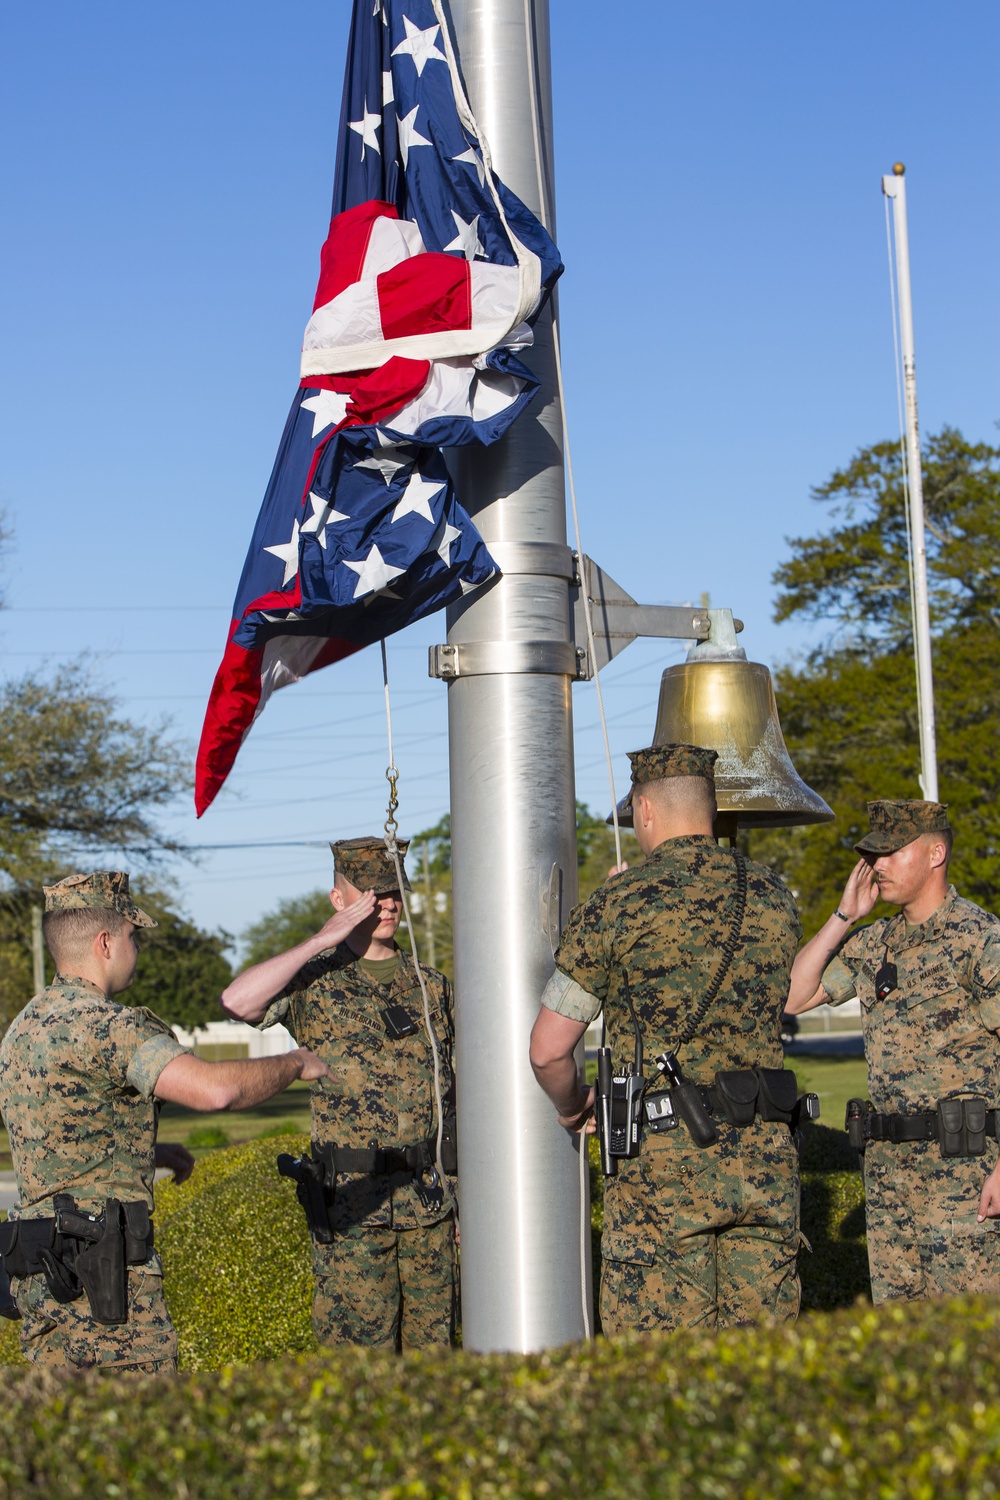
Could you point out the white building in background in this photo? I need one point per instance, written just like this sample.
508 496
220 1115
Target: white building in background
235 1039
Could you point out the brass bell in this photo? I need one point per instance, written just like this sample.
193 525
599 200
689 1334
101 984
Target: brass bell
729 706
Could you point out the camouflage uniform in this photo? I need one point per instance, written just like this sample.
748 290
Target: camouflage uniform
77 1073
934 1035
691 1237
388 1278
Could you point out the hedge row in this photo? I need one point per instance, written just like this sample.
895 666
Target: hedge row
899 1401
236 1252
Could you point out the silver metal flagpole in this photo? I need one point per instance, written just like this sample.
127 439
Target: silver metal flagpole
894 187
510 663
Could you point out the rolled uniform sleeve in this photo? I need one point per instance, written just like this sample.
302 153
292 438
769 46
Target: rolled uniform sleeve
838 981
986 982
142 1046
567 998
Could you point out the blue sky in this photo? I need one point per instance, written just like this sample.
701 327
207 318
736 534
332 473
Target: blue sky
725 324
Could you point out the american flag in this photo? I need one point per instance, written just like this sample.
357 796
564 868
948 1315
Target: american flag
430 279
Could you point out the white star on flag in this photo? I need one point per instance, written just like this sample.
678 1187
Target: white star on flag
388 94
329 408
416 497
421 45
384 463
288 553
467 239
323 516
366 128
373 572
473 159
451 535
409 135
468 588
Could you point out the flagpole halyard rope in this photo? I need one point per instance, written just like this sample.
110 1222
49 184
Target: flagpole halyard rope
392 846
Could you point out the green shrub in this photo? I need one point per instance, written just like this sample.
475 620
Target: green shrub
207 1138
898 1401
236 1259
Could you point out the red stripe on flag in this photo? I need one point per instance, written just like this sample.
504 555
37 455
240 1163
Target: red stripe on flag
429 293
386 390
232 704
343 254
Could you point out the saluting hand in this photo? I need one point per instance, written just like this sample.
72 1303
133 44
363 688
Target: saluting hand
344 921
860 893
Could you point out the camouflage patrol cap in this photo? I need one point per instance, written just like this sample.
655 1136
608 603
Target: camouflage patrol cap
660 761
894 824
368 865
104 888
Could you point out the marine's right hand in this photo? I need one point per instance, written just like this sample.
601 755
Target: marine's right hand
860 893
313 1067
337 927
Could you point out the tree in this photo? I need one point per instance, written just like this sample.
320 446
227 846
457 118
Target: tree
849 712
75 779
182 969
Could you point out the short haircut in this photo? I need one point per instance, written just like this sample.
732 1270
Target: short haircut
68 933
693 795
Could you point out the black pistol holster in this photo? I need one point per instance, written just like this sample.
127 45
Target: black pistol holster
81 1253
309 1174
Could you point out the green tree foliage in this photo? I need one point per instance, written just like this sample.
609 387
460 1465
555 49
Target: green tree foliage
595 849
290 922
77 781
849 712
182 970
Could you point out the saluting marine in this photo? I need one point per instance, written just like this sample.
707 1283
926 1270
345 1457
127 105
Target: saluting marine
928 979
380 1219
80 1076
691 953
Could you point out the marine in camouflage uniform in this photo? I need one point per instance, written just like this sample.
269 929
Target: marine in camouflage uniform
691 1236
77 1073
388 1278
933 1036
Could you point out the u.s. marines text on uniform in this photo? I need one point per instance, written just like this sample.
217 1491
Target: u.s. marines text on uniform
80 1076
691 950
380 1219
928 979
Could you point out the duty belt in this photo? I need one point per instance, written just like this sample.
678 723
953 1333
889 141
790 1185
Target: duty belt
961 1125
377 1161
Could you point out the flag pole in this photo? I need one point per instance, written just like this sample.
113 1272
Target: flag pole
510 663
894 187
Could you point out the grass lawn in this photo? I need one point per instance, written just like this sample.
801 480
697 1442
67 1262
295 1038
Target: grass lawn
835 1080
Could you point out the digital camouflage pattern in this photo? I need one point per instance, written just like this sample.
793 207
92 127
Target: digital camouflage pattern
660 761
381 1094
694 1236
64 1333
894 824
104 889
386 1288
368 865
934 1035
77 1073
